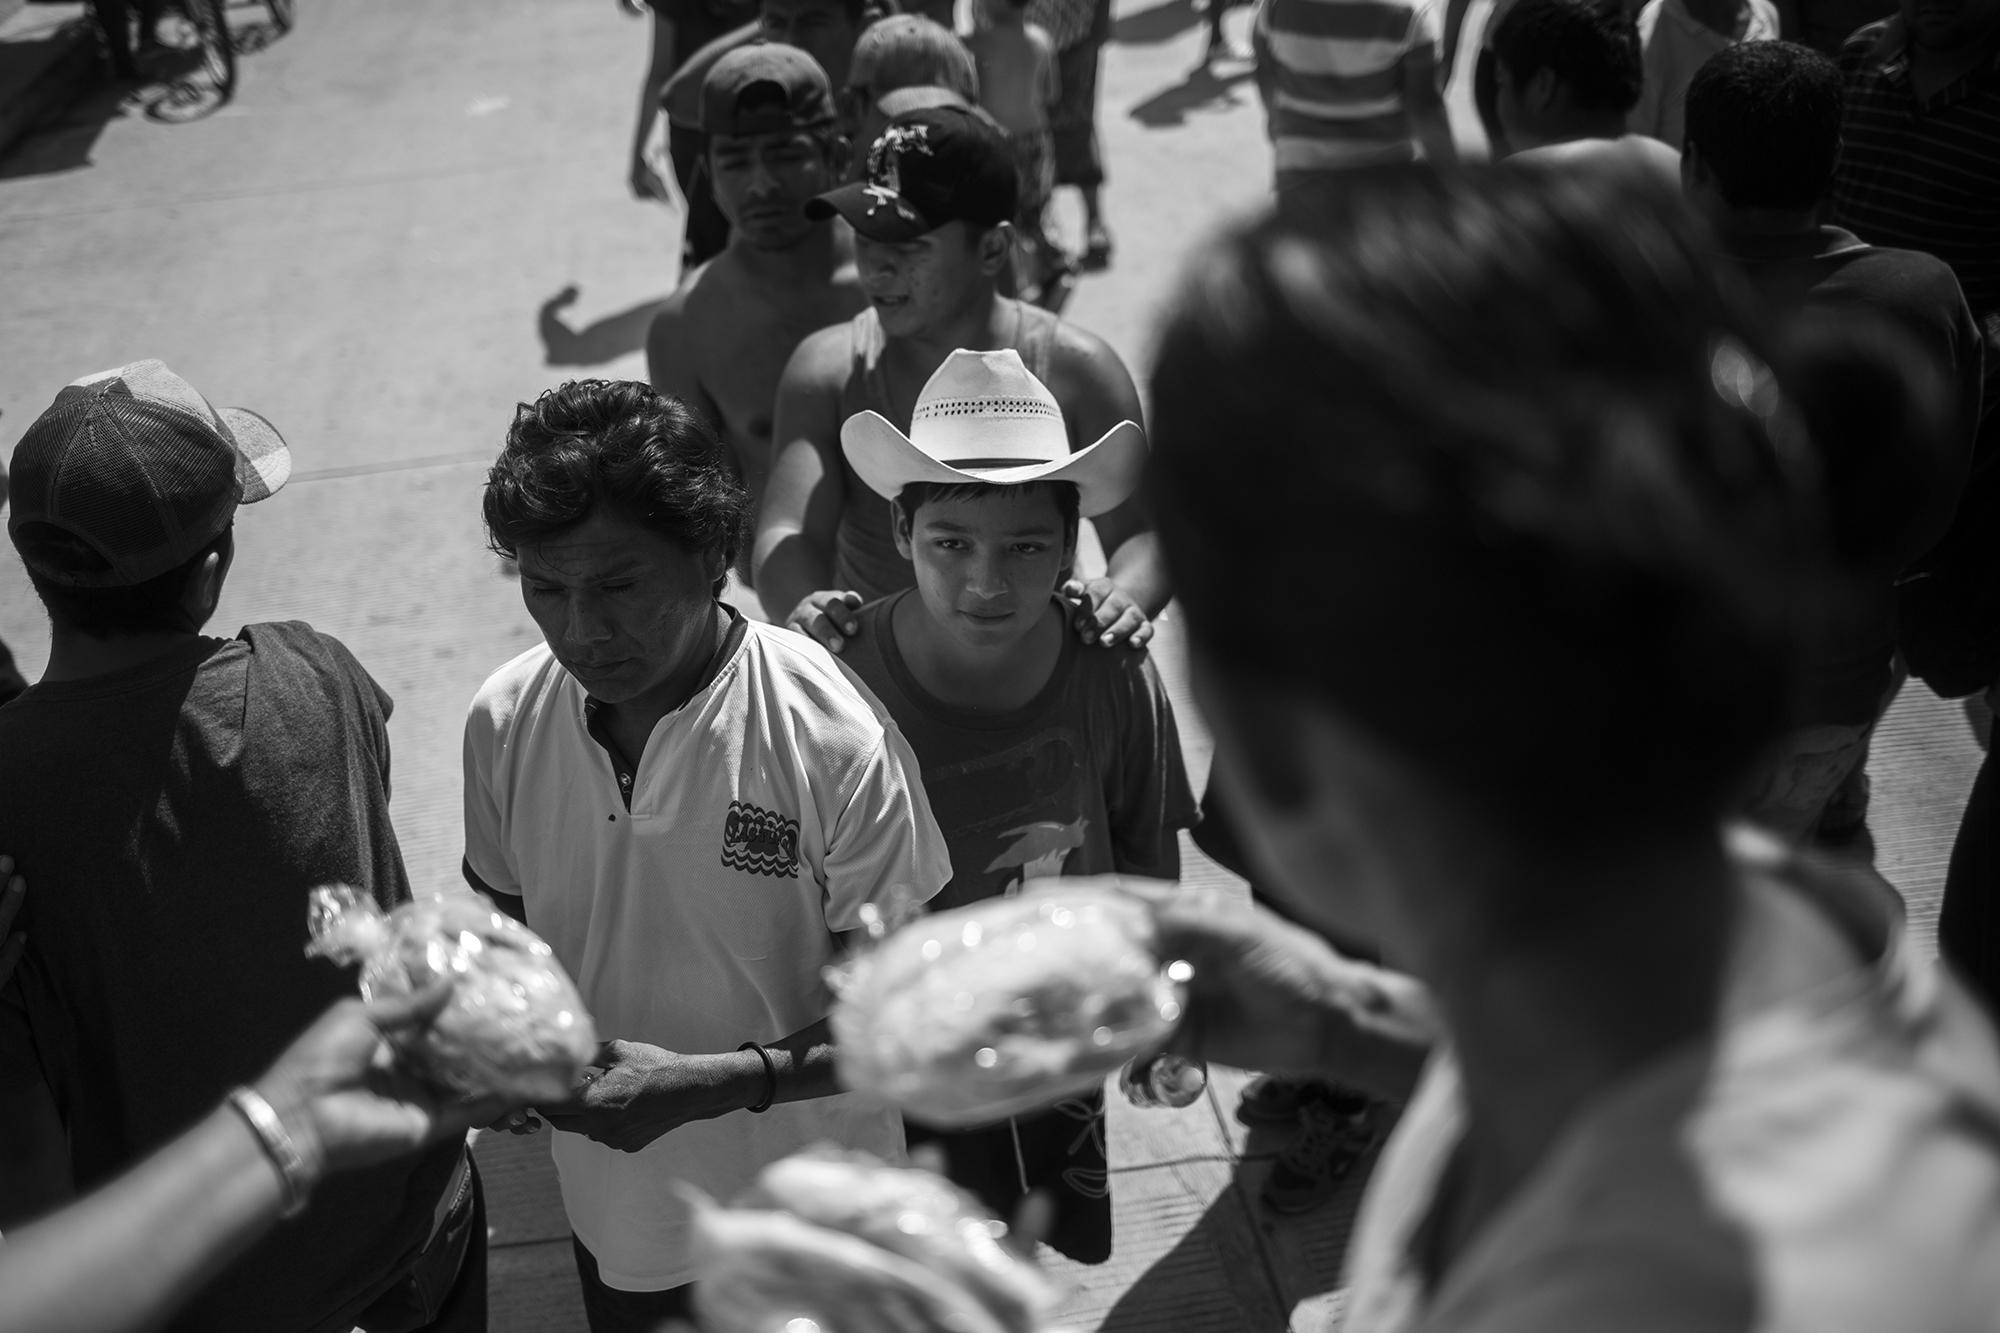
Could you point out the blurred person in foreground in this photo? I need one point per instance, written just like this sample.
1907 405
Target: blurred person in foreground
1763 133
694 811
1566 75
176 797
12 682
1661 1075
721 341
1919 168
933 235
1350 83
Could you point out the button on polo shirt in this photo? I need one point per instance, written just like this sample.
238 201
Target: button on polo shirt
765 812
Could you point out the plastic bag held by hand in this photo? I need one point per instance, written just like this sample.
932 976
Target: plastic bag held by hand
514 1024
854 1245
1007 1005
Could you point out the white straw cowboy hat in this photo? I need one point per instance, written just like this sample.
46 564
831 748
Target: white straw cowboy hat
984 418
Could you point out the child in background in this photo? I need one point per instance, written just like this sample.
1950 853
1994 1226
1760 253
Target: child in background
901 51
1041 756
1677 37
1016 60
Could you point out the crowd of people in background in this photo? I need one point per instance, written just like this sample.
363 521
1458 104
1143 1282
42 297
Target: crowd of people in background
1629 478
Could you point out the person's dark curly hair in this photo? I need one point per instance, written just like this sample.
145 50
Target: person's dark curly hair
1765 119
1591 45
618 443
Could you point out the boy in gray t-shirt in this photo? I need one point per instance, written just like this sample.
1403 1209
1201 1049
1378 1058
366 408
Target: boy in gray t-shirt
1041 757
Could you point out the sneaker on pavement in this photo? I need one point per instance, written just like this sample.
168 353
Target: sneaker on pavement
1334 1133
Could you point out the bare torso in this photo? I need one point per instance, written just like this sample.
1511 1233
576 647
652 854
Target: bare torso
723 340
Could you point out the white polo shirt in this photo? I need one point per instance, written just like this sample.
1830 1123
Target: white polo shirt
765 812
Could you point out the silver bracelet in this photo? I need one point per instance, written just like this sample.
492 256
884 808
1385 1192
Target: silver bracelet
278 1145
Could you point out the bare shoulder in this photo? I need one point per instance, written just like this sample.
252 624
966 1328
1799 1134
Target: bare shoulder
1079 359
1039 37
711 289
670 351
820 364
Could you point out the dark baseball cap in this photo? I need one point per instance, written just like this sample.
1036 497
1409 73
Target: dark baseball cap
931 166
130 473
765 88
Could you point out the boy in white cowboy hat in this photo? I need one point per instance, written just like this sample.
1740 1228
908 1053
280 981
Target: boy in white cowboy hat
1041 756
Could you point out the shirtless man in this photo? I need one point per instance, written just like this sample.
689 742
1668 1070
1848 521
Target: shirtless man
932 236
1567 74
721 341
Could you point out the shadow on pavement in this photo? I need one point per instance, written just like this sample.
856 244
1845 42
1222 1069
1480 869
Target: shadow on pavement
1203 87
1179 1289
66 144
1308 1252
1161 23
606 340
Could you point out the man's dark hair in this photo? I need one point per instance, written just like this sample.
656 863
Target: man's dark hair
619 443
918 493
1496 434
1592 46
1765 118
152 607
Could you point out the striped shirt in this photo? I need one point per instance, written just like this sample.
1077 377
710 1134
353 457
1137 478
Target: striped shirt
1922 173
1332 74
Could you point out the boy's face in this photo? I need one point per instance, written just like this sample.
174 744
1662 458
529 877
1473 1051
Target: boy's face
986 567
926 282
762 183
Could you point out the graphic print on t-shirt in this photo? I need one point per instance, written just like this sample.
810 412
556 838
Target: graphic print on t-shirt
1012 815
760 841
1036 851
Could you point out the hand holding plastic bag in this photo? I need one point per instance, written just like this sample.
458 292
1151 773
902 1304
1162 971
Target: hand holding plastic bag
1006 1006
857 1246
514 1027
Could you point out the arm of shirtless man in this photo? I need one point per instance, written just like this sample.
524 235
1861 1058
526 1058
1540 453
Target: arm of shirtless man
1096 394
792 559
673 365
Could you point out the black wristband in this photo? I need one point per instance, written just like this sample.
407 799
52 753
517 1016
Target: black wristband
770 1072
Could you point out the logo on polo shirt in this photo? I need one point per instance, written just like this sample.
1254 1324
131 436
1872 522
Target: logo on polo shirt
760 841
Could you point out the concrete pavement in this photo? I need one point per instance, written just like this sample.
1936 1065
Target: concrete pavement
413 216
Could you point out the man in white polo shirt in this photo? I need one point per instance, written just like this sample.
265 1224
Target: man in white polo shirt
693 810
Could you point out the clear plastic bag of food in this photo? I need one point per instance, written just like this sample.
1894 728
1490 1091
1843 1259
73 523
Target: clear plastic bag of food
857 1246
1002 1007
514 1025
